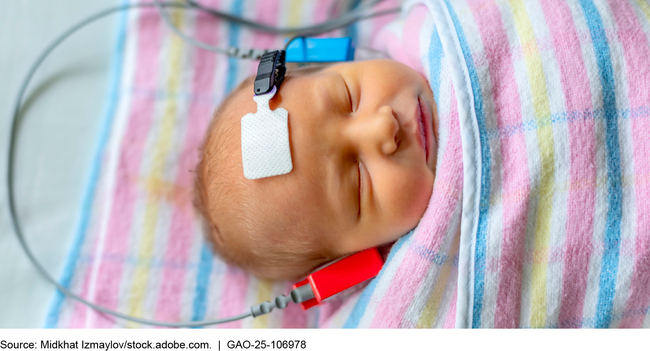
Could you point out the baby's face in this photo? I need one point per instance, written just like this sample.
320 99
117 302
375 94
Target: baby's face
363 148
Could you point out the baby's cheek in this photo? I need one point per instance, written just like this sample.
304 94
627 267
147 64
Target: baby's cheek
414 199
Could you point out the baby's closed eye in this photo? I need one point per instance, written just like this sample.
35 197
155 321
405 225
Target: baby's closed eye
351 104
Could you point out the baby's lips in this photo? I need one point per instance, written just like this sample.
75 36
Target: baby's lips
420 129
427 120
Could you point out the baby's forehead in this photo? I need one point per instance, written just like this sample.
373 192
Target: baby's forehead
296 192
222 145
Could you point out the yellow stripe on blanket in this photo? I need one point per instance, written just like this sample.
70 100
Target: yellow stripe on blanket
295 12
428 316
542 110
264 293
645 7
154 180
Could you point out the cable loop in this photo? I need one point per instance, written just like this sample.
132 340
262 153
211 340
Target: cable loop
255 54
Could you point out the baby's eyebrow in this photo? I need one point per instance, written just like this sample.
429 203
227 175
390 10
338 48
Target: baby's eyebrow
318 94
325 91
332 92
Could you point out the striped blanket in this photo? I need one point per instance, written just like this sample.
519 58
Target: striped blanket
551 102
556 143
540 210
139 246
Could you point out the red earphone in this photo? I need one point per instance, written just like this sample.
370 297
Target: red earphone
341 275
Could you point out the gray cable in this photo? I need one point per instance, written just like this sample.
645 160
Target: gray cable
168 21
257 310
10 178
297 295
360 18
322 27
255 54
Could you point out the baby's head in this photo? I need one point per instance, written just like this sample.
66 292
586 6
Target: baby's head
363 149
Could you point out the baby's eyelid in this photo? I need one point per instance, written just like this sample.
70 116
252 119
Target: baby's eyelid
352 108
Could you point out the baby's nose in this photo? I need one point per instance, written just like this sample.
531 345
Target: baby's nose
378 130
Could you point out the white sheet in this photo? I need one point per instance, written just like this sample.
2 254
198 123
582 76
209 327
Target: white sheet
56 143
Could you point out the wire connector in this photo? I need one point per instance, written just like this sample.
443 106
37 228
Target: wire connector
297 295
251 54
270 72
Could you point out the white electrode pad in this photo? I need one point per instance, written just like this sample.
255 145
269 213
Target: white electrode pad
265 147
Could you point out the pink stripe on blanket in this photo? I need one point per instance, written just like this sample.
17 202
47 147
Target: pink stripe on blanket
513 153
78 315
381 21
637 52
582 177
268 12
391 43
126 191
233 298
404 48
182 231
411 35
293 316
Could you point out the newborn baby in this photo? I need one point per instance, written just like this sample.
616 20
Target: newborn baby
363 139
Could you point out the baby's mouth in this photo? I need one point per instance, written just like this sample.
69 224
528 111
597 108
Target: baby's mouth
423 128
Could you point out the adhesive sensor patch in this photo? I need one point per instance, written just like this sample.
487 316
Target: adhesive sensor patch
265 146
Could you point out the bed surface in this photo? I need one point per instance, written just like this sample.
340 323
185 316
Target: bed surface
56 140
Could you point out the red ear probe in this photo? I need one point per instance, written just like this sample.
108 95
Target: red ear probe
341 275
328 281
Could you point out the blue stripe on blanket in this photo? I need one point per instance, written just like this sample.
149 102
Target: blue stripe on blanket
233 41
202 284
480 243
205 266
435 62
362 304
115 75
609 269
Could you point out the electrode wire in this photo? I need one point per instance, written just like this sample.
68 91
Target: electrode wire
328 26
15 119
10 179
321 27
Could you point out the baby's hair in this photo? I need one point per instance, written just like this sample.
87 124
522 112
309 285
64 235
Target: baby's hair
287 256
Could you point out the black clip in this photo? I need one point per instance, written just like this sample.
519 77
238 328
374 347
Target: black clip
270 72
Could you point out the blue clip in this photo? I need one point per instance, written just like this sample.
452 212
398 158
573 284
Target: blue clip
320 50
